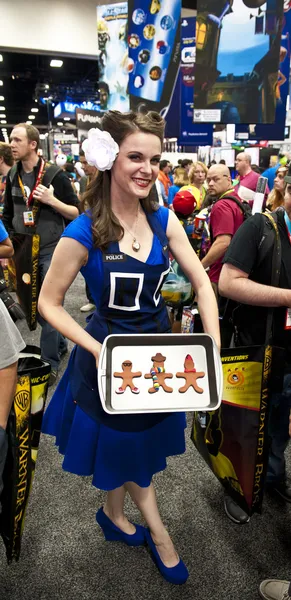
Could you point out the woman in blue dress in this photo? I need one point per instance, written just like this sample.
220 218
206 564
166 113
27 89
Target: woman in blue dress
120 245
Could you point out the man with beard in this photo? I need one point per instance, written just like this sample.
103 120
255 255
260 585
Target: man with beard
225 218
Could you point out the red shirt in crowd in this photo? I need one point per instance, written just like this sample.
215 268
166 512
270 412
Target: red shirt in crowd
225 219
250 181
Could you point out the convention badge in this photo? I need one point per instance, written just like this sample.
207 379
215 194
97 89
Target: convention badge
288 319
28 218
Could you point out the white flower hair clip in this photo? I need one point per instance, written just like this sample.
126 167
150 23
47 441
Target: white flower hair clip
100 149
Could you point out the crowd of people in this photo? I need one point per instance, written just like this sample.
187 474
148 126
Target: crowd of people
132 206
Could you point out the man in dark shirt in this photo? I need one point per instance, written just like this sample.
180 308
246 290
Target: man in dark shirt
246 278
54 205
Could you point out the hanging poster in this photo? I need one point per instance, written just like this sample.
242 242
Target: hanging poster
85 120
190 134
277 130
113 56
154 52
237 60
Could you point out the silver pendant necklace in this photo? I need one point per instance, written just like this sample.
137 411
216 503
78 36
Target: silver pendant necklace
135 244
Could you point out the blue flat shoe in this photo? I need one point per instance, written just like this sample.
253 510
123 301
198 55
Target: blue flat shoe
112 533
177 575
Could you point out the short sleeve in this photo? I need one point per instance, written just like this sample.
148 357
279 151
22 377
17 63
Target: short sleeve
13 342
3 233
162 215
243 249
81 230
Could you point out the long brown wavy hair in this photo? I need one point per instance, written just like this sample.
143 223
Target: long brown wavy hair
276 197
105 226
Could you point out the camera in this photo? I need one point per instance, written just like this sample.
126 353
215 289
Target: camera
14 309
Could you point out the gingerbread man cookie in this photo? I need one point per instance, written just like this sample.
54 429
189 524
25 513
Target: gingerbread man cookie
158 375
127 376
190 375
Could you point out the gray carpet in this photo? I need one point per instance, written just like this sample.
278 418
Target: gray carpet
64 555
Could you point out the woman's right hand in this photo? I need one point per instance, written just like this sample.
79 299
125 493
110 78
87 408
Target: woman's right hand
96 353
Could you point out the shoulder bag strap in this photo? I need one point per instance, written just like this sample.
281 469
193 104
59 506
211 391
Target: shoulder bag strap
276 269
50 174
158 231
238 202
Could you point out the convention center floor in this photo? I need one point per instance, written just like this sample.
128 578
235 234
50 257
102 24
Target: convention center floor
64 555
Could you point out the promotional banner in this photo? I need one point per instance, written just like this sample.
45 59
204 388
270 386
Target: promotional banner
23 274
237 60
277 130
85 120
234 439
23 429
191 134
154 52
113 56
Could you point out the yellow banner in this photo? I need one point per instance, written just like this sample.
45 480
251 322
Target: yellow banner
242 384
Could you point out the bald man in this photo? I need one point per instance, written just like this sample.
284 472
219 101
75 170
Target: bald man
225 219
247 177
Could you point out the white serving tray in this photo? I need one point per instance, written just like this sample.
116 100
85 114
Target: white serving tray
139 350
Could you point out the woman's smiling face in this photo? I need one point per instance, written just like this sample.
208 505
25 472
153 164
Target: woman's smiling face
137 165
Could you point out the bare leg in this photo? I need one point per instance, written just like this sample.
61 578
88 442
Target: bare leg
145 500
114 509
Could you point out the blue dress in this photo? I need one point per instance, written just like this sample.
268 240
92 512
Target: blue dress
115 448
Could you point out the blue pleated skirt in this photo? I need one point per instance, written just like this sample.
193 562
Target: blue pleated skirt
112 457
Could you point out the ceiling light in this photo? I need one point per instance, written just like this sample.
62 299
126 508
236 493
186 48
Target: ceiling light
28 122
34 110
12 76
2 116
2 98
31 116
35 99
4 122
2 108
1 82
56 63
46 86
1 58
60 123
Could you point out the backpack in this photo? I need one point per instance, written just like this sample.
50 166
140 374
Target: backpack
242 204
47 179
